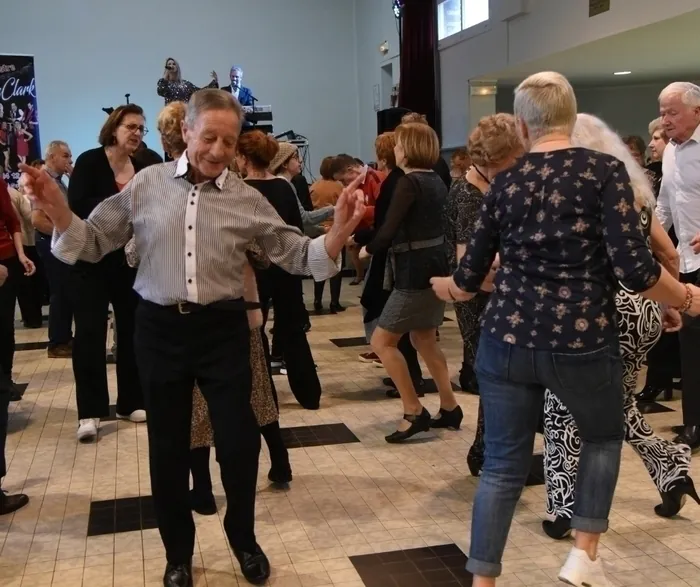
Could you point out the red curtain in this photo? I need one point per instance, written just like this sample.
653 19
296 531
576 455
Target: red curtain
419 60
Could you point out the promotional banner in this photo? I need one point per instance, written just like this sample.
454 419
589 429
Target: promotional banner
19 122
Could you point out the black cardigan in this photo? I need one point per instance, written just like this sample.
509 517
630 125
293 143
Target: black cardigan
92 182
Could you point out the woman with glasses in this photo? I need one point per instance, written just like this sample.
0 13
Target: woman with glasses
98 174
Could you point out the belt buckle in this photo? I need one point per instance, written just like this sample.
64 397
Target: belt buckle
181 308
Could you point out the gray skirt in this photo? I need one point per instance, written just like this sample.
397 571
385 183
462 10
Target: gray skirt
412 310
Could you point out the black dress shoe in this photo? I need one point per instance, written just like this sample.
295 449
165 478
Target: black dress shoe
254 565
336 308
177 575
11 503
674 499
393 393
202 503
280 472
15 393
650 393
318 307
689 436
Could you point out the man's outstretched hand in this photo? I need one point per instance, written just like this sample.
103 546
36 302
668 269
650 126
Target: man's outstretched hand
44 193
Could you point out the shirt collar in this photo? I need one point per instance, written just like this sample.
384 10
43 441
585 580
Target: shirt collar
182 169
52 173
695 137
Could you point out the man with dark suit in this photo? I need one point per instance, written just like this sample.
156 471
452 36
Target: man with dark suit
241 93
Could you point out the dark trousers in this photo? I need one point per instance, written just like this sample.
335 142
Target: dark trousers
30 291
213 348
690 368
93 289
5 383
60 303
8 301
284 292
409 353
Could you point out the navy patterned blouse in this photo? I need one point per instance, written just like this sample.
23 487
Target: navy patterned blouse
566 229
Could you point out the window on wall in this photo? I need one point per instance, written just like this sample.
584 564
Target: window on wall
455 16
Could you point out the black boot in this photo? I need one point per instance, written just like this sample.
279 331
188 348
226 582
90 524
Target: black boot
280 470
673 500
650 393
559 528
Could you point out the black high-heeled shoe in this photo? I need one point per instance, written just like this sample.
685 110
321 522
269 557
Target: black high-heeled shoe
448 419
558 528
475 461
673 500
419 423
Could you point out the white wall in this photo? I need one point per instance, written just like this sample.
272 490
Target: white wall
547 27
298 56
374 23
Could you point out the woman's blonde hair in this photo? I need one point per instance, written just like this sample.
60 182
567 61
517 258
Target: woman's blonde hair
420 144
546 103
170 128
592 133
494 140
384 148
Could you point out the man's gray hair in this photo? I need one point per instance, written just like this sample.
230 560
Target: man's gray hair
53 146
546 103
211 99
689 93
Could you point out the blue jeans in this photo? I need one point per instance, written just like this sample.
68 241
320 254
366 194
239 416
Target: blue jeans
512 382
61 303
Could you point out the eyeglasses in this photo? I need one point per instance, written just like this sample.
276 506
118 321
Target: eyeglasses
132 128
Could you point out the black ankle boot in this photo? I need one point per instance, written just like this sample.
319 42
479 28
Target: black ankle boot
673 500
336 308
559 528
451 419
650 393
203 502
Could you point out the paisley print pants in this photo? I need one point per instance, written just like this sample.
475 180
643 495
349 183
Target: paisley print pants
640 329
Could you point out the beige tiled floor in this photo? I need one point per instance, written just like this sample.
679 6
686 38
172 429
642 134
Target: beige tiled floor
345 500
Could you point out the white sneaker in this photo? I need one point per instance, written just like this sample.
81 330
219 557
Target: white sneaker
580 571
137 416
87 429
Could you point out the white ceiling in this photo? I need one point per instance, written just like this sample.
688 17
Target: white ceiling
668 49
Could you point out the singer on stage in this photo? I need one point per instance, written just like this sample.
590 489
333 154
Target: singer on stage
173 88
241 93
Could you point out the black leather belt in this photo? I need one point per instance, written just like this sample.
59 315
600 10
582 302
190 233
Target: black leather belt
238 305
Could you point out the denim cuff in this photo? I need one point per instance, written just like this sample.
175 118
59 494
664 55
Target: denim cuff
589 524
483 569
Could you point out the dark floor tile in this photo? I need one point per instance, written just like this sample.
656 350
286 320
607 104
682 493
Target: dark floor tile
112 414
323 435
349 342
415 567
128 514
653 408
32 346
536 476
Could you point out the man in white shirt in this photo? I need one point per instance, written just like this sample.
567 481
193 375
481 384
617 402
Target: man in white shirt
679 206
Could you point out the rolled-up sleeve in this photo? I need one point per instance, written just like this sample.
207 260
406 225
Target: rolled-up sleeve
481 249
288 248
107 229
632 261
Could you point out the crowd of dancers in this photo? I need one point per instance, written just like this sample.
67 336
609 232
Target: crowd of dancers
543 235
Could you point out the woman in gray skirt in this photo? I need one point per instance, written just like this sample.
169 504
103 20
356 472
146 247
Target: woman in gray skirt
414 233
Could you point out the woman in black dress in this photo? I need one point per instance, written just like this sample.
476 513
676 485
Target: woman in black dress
276 287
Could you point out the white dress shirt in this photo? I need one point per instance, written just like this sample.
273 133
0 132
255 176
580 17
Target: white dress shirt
679 198
191 239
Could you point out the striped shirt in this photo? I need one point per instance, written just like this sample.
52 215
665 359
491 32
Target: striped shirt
191 238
